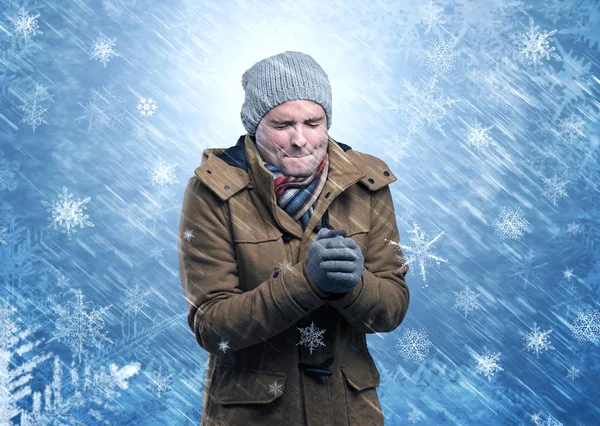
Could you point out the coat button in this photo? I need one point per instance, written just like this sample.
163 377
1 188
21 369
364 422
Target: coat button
371 180
226 187
286 237
209 172
386 173
276 274
327 195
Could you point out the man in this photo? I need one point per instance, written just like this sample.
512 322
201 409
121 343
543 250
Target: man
284 313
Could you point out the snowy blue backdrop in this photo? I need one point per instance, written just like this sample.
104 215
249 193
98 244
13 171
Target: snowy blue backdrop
486 110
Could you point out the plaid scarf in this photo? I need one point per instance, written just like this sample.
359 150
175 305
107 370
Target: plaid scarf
298 195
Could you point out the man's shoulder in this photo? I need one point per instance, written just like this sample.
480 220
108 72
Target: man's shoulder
377 172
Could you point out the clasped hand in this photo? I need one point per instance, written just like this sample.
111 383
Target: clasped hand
335 262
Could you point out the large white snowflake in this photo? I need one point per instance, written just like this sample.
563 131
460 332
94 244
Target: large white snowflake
79 325
103 49
478 136
146 107
68 214
441 56
33 114
487 364
554 189
537 341
422 106
420 250
414 344
188 234
466 300
163 174
311 337
587 326
510 223
535 46
25 25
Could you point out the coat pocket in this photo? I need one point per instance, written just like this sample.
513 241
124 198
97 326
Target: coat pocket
246 397
361 381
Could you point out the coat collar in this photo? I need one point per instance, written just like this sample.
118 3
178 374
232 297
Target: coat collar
226 171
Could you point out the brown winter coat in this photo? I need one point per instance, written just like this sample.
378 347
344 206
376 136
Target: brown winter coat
244 277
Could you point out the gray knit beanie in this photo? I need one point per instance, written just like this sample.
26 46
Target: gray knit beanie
280 78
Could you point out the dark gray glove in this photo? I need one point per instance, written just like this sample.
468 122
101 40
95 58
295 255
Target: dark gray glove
335 263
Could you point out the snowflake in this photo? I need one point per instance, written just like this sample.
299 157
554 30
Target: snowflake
67 213
535 46
422 106
574 228
587 326
146 107
276 388
441 56
286 265
421 251
156 252
2 232
79 327
570 128
573 373
568 273
527 271
33 114
537 341
487 364
159 381
103 108
163 174
311 337
224 345
466 300
103 49
25 25
554 189
8 172
138 132
414 344
536 418
62 281
430 15
510 223
188 234
136 299
397 148
477 136
414 416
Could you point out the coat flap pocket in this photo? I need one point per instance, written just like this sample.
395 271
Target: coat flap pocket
361 372
232 385
250 231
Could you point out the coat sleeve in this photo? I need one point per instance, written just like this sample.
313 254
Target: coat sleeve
379 302
222 317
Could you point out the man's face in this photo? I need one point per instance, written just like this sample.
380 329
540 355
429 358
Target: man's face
292 129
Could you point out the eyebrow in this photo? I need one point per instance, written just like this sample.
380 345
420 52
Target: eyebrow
287 121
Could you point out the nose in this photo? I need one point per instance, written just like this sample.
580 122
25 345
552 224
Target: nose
298 139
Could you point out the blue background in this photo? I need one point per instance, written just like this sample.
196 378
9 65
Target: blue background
390 100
